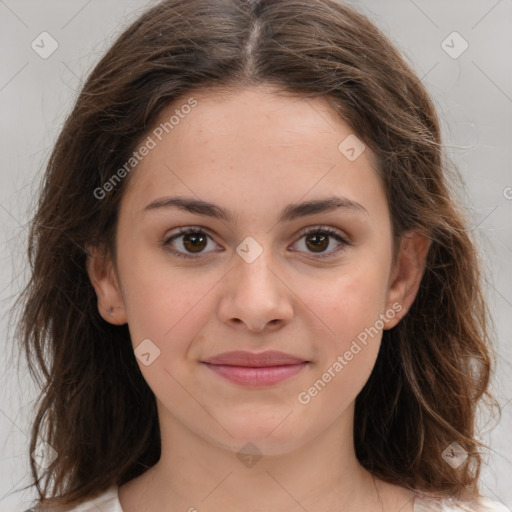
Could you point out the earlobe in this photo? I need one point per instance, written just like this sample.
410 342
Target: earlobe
407 274
103 278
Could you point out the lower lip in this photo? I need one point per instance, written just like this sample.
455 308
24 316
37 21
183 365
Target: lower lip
256 376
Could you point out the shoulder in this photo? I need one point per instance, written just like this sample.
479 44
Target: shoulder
487 505
108 501
426 504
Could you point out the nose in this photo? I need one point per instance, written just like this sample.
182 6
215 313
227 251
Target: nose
256 296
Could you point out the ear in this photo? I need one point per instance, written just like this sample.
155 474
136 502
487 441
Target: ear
406 274
103 278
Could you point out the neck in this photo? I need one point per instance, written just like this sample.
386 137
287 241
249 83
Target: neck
194 473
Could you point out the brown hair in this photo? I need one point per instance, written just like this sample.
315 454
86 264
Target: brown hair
433 367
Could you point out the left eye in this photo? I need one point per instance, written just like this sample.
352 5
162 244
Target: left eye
318 240
194 241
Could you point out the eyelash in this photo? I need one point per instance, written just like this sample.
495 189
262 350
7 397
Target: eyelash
307 231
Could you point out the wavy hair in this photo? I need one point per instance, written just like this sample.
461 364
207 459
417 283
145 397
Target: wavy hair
433 368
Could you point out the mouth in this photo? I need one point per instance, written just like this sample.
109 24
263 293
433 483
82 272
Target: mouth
257 375
256 369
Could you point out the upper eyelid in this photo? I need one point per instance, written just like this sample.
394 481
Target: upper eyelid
319 227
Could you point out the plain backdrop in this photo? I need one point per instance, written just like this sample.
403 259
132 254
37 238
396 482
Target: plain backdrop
469 75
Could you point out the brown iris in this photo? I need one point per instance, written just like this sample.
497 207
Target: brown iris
194 242
321 242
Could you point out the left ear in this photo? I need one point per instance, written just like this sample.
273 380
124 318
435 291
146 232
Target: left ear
407 274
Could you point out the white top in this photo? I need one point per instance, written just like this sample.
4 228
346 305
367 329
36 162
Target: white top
109 502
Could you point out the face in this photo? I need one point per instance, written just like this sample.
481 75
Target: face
270 273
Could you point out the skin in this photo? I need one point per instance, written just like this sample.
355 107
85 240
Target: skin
253 152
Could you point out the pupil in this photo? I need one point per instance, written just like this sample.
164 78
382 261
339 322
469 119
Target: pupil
195 240
319 238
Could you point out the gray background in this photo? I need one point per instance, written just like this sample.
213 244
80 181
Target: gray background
473 93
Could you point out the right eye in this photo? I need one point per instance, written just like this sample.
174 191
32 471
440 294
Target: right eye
191 243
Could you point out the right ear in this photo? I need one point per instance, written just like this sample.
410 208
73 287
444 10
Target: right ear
100 269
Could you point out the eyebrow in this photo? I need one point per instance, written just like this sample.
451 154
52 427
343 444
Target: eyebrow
289 213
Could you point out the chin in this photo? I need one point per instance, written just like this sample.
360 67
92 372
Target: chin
270 438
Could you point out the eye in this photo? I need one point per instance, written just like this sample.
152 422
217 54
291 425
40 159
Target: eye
318 240
193 240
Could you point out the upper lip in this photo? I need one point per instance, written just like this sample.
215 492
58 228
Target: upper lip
261 359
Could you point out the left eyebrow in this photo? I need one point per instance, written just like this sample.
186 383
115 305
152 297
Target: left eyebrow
289 213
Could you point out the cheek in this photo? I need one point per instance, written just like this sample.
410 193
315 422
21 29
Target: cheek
351 300
169 310
350 307
163 303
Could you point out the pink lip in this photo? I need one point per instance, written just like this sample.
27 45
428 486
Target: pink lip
253 359
257 375
256 369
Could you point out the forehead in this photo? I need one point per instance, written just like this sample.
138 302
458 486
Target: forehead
256 141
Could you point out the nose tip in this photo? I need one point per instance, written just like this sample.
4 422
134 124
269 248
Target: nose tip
254 296
261 325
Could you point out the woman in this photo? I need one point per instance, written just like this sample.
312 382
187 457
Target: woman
250 278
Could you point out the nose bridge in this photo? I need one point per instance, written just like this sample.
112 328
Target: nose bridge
255 265
256 295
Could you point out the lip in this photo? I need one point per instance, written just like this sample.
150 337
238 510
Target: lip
255 359
256 369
